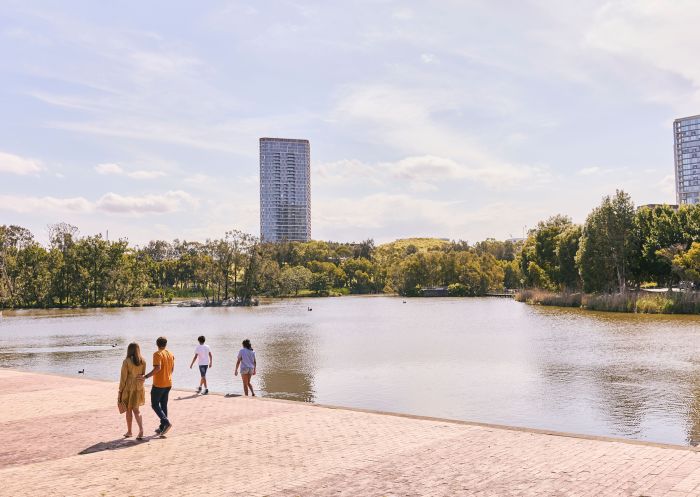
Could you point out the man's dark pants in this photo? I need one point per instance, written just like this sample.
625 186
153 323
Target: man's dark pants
159 403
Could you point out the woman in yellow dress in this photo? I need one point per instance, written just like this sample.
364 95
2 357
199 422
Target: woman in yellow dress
131 391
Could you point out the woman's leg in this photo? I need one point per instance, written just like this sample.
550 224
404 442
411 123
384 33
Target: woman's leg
128 423
245 378
139 420
249 385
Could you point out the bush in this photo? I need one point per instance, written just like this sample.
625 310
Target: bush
457 290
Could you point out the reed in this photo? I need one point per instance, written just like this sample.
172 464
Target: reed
634 302
543 297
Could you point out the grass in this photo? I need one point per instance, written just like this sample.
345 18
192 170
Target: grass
634 302
543 297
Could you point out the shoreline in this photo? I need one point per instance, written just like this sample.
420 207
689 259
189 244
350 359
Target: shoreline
631 302
437 419
287 448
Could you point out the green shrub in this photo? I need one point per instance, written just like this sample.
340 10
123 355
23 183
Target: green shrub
457 290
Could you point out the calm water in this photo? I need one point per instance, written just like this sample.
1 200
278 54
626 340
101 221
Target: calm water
490 360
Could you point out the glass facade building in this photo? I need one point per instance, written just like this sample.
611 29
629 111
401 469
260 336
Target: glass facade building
285 190
686 138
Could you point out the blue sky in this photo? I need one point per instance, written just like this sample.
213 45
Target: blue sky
459 119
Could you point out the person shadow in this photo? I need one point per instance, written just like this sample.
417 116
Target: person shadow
120 443
193 396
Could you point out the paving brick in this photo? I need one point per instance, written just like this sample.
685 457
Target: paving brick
61 436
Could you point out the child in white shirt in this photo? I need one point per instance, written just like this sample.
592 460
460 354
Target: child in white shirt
203 353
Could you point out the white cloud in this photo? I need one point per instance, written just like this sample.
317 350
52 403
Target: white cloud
14 164
407 121
386 217
171 201
424 173
29 204
657 35
109 169
116 169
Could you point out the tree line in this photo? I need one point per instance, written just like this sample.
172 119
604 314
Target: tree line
617 248
90 271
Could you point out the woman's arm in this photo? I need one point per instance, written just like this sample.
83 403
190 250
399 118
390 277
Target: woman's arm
156 368
122 380
238 363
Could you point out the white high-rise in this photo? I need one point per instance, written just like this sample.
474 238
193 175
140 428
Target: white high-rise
686 152
285 190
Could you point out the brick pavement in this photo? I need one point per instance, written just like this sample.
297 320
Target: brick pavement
61 436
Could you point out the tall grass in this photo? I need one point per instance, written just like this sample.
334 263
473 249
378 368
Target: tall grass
616 302
637 302
543 297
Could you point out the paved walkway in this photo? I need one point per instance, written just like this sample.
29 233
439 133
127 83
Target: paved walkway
61 437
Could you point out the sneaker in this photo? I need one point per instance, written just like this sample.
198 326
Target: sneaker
165 430
206 391
199 389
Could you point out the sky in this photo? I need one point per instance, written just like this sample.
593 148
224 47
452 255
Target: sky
455 119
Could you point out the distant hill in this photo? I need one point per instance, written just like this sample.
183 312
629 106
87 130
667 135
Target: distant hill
420 244
399 249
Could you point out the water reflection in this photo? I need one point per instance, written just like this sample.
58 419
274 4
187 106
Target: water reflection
288 368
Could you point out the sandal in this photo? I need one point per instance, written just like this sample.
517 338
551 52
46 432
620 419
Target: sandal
139 436
128 435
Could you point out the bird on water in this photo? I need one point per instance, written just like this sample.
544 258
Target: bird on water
82 371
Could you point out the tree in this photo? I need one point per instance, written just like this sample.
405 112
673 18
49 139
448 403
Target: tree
364 249
608 245
251 272
93 265
64 271
567 244
320 283
511 274
33 280
294 279
542 248
658 229
13 239
128 278
361 275
687 264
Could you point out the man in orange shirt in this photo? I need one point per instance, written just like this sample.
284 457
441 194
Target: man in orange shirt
163 367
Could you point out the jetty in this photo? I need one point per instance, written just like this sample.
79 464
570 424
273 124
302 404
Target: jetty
61 436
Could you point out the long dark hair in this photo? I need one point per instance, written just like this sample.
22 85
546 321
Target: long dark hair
247 345
133 352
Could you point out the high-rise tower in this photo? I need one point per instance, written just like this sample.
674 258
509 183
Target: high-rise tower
686 153
285 190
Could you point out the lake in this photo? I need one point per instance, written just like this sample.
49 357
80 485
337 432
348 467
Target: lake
477 359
